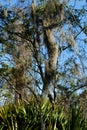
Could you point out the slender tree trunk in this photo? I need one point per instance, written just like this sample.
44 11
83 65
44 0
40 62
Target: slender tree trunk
18 92
50 66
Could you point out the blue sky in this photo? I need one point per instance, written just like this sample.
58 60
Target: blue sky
11 2
77 3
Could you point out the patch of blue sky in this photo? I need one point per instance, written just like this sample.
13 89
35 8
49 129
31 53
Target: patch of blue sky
6 59
7 3
78 3
17 3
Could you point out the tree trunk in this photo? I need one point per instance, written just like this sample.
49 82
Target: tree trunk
50 66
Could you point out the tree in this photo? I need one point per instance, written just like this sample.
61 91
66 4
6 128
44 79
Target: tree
36 37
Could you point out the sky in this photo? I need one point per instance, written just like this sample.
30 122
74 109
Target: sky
10 3
77 3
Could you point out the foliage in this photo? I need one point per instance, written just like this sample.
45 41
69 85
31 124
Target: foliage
28 117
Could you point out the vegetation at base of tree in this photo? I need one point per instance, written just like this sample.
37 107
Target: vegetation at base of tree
34 116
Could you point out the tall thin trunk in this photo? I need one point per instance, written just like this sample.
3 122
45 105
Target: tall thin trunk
18 92
50 67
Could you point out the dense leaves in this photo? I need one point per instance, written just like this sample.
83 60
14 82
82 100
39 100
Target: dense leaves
24 117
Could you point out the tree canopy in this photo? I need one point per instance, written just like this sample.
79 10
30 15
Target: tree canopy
43 49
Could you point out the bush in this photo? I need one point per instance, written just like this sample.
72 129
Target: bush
35 115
